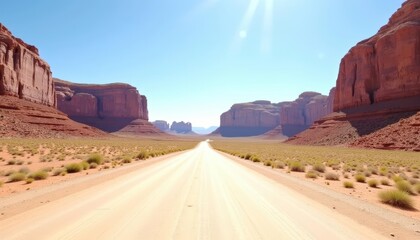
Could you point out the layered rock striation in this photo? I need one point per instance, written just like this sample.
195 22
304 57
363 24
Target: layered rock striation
385 67
109 107
378 86
23 73
259 117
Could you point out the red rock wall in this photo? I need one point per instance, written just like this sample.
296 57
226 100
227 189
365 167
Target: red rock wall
309 107
103 101
261 116
23 73
181 127
109 107
384 67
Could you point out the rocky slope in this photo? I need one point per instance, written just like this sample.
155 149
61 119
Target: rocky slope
110 107
378 85
23 73
22 118
27 95
259 117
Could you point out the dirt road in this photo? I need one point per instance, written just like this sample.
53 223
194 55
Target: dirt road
196 195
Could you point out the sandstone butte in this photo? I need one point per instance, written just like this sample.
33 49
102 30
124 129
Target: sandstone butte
23 73
161 125
115 107
378 86
285 118
27 96
181 127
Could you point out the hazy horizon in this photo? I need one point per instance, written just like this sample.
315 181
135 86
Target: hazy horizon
194 59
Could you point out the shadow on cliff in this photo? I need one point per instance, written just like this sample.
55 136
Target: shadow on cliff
371 118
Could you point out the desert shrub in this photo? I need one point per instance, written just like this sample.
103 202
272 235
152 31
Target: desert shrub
311 174
1 183
144 155
296 167
93 165
278 164
19 162
126 160
348 184
39 175
332 176
404 186
73 168
255 159
268 163
319 167
17 176
59 171
96 158
397 178
360 177
385 182
29 180
396 198
373 183
248 156
383 171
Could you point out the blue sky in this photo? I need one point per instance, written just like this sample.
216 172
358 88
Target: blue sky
193 59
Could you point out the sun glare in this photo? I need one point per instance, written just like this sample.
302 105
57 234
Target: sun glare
249 15
243 31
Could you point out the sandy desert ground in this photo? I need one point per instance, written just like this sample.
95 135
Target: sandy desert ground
197 194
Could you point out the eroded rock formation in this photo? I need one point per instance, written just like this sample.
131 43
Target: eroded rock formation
384 67
161 124
181 127
109 107
23 73
259 117
249 119
378 86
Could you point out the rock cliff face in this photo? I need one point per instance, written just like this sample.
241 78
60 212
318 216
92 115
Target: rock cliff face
384 67
298 115
161 125
378 86
259 117
23 73
181 127
249 119
109 107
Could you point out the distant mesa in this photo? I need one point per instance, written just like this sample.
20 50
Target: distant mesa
27 95
181 127
116 107
259 117
377 94
161 125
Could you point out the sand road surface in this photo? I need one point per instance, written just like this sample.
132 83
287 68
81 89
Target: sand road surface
199 194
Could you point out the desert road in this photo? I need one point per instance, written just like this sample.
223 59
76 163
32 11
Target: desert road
199 194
